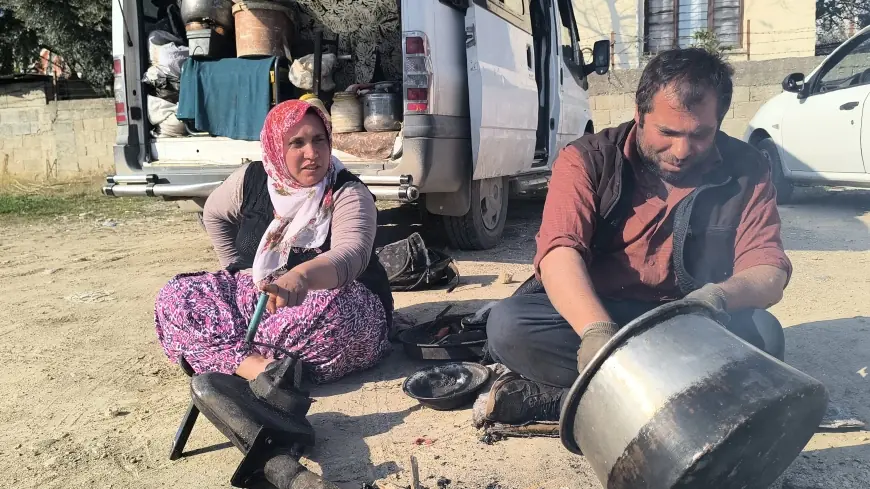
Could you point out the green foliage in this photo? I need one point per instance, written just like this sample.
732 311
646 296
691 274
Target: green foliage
835 15
78 30
19 47
708 40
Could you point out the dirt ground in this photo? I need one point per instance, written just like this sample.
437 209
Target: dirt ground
87 398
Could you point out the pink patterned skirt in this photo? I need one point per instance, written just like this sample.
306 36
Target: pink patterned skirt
204 317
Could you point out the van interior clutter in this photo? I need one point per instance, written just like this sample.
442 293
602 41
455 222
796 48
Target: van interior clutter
216 67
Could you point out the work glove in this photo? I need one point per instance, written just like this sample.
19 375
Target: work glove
713 295
594 337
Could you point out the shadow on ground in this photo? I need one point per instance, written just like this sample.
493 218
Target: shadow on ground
836 353
833 352
341 448
829 468
818 219
517 245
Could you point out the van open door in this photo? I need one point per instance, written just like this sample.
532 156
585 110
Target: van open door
503 94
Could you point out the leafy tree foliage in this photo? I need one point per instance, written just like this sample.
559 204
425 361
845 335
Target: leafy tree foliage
19 47
78 30
834 15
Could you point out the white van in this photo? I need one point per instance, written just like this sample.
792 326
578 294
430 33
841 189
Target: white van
505 87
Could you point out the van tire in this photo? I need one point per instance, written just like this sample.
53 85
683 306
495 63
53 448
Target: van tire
482 226
784 188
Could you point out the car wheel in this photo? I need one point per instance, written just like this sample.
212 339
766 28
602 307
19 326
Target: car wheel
784 188
482 226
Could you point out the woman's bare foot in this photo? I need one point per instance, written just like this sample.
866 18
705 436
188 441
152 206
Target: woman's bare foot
252 366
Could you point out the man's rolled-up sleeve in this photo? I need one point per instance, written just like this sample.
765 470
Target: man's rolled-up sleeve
569 211
758 240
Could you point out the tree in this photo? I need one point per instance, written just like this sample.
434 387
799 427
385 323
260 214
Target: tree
835 15
78 30
19 47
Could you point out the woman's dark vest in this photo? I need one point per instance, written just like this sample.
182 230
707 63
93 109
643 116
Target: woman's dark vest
705 222
258 213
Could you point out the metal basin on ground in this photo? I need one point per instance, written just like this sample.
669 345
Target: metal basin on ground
675 400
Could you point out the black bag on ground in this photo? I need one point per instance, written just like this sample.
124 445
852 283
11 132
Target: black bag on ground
411 265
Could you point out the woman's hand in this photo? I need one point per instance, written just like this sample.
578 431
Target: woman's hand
289 290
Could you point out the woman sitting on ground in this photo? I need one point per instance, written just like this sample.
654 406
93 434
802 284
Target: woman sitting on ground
300 227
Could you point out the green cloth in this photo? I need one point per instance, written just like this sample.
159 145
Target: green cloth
226 97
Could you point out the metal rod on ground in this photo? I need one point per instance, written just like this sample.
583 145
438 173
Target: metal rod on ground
255 319
415 473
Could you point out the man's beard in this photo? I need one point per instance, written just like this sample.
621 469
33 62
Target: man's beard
650 161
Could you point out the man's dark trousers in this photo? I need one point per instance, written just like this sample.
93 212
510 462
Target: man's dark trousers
528 336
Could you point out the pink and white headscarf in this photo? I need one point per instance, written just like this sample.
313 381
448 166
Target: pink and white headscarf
303 215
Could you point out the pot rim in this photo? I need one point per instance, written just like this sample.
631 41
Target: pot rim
261 5
638 325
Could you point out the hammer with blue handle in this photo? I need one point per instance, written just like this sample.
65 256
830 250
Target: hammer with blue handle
255 319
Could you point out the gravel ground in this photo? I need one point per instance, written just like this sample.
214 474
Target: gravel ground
89 400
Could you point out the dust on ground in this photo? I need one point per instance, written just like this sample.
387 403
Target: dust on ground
87 398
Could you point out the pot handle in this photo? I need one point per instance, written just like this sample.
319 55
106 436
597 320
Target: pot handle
639 324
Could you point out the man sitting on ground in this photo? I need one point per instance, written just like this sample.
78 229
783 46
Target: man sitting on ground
660 208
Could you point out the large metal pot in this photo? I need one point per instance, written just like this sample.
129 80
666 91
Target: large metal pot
218 11
675 400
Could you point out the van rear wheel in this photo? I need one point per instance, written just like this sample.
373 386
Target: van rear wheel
482 226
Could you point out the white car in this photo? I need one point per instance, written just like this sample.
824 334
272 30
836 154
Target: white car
817 132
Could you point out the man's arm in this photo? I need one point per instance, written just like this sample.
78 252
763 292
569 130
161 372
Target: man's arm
564 275
563 242
758 287
761 267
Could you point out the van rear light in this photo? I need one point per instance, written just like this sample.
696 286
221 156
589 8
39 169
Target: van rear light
415 45
120 113
418 94
418 76
418 100
120 89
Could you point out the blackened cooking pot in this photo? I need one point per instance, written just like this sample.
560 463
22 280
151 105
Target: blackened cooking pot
675 400
218 11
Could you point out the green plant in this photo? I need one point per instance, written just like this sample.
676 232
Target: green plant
709 41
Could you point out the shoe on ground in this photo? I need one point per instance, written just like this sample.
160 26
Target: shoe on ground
478 410
516 400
